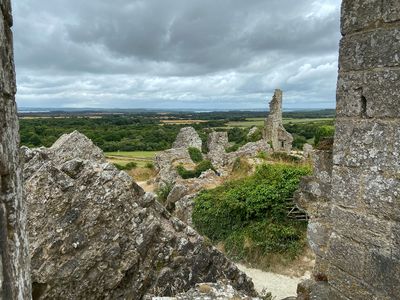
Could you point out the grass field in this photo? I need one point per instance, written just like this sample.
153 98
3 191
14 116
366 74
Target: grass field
124 157
182 122
260 122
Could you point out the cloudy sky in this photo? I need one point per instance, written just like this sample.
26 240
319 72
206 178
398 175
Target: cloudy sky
208 54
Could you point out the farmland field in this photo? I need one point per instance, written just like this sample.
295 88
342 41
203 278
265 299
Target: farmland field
249 122
124 157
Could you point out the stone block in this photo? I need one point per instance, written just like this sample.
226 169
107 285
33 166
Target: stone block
383 273
372 49
381 195
7 73
390 10
365 229
359 14
347 255
382 93
348 94
346 190
368 94
348 285
318 235
368 145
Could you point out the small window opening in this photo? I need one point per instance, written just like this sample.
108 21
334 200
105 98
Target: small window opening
363 106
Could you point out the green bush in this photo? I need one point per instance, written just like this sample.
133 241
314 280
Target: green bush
164 191
195 154
127 167
149 165
262 155
232 148
323 132
256 136
200 168
253 211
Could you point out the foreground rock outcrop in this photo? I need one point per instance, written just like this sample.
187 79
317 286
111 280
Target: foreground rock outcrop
95 234
211 291
14 258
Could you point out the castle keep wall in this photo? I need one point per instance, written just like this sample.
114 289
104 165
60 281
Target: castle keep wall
14 258
360 257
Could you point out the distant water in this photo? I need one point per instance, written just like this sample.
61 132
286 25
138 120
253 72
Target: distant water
33 111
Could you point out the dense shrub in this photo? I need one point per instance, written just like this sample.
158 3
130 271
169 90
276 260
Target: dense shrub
149 165
163 191
200 168
129 166
250 215
323 132
232 148
195 154
256 136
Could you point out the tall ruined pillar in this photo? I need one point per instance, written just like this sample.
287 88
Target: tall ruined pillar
274 132
362 258
14 257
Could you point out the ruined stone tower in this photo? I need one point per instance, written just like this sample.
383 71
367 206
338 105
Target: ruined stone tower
354 197
274 132
14 257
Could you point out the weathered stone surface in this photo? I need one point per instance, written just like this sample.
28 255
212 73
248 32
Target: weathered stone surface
177 193
95 234
252 131
188 137
14 257
274 132
358 254
307 151
360 14
166 163
370 49
248 150
216 143
363 94
210 291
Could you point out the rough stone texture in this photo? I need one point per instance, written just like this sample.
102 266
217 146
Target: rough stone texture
248 150
210 291
252 131
166 163
216 144
274 132
14 258
307 151
188 137
95 234
356 234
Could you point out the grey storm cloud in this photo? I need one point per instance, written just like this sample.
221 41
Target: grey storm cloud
158 53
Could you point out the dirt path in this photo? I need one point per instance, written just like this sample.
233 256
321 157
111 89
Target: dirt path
280 286
147 187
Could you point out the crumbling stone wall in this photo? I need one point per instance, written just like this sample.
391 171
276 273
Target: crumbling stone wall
274 132
361 238
14 258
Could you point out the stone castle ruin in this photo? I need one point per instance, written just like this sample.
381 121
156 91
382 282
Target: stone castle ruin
353 197
14 257
274 132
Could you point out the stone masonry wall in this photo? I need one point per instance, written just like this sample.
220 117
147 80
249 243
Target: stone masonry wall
362 257
14 257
